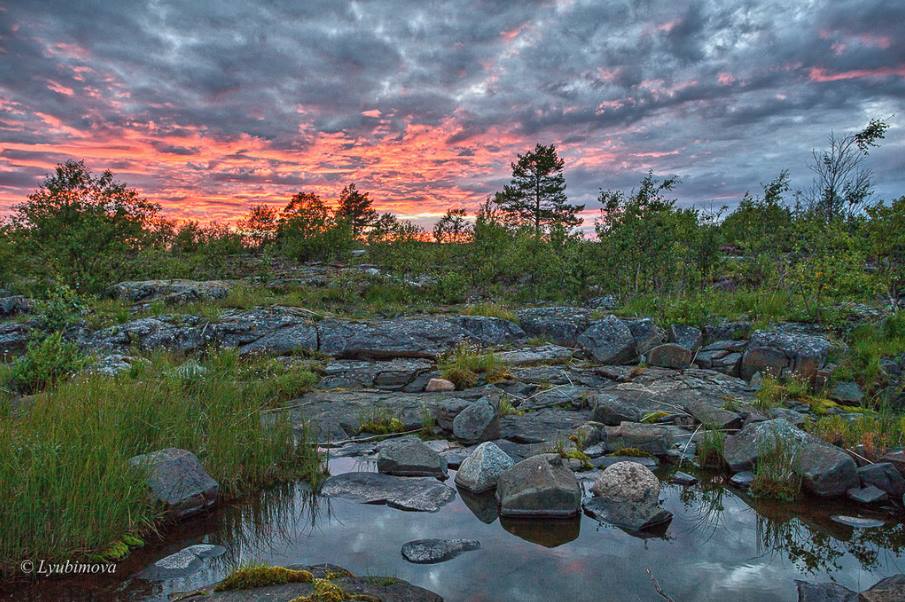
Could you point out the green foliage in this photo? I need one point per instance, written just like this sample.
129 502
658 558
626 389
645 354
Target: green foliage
380 421
45 363
308 231
872 433
710 447
355 209
869 344
630 452
491 310
62 307
464 364
453 227
776 474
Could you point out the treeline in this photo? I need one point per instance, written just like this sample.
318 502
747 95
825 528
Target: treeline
825 243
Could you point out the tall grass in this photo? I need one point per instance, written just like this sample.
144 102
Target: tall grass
464 364
65 481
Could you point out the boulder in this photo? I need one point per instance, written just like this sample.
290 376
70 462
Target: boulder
777 350
627 495
656 440
439 384
560 325
432 551
447 411
539 487
824 592
403 493
867 495
891 589
670 355
178 481
826 470
847 392
646 333
411 458
477 422
884 477
609 341
481 470
689 337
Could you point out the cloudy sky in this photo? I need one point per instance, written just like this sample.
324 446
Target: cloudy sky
209 107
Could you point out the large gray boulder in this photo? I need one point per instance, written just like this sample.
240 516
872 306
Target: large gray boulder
689 337
646 333
178 481
826 470
560 325
411 458
776 351
481 470
609 341
884 477
669 355
477 422
539 487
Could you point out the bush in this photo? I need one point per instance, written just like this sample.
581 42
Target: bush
45 363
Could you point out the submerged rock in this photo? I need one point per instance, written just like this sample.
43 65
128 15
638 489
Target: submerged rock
539 487
178 481
184 562
481 470
417 494
411 458
857 522
431 551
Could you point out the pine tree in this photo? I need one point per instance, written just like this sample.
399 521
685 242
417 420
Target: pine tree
536 196
355 207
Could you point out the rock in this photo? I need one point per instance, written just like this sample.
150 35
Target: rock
14 338
606 461
447 411
726 330
411 459
612 408
560 325
867 495
891 589
431 551
404 493
178 481
775 350
481 470
477 422
669 355
826 470
857 522
170 291
391 375
653 439
544 426
439 384
112 364
689 337
883 476
847 392
824 592
15 304
627 482
742 479
646 333
539 487
682 478
711 416
606 302
184 562
535 355
609 341
897 459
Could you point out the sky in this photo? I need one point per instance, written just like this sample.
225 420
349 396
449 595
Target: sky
210 107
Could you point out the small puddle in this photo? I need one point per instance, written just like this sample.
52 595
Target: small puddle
718 546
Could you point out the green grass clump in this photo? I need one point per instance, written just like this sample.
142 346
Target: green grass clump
508 409
380 422
45 362
250 577
776 475
490 310
630 452
463 365
654 417
573 453
875 433
68 488
710 448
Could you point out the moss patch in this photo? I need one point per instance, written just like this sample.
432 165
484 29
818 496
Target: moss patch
250 577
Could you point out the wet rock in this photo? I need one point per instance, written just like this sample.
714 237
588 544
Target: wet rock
404 493
682 478
184 562
560 325
481 470
883 476
776 350
535 355
477 422
439 384
847 393
646 333
669 355
867 495
826 470
539 487
742 479
856 522
411 459
824 592
432 551
653 439
170 291
891 589
897 459
689 337
609 341
178 480
15 304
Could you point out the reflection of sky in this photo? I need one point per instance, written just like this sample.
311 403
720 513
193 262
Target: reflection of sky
715 556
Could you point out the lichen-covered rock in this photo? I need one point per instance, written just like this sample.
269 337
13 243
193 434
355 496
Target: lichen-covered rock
481 470
772 351
560 325
539 487
411 458
627 495
392 375
656 440
646 333
439 384
178 480
477 422
826 470
609 341
689 337
535 355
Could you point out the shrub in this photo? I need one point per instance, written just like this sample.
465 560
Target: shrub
45 363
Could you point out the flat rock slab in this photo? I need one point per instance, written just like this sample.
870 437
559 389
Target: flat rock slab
535 355
867 495
548 425
857 522
405 493
182 563
431 551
